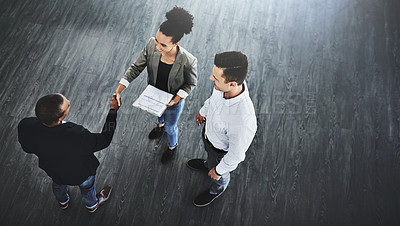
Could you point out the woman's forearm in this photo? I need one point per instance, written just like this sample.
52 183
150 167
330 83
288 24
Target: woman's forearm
120 88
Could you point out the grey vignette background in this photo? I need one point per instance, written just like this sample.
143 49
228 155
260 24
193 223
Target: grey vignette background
323 77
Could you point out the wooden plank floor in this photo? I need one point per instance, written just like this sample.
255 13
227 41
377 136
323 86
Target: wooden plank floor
324 79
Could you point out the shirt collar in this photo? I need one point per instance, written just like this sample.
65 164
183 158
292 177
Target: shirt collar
236 99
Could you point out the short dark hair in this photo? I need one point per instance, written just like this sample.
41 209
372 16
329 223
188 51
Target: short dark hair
179 22
48 108
234 65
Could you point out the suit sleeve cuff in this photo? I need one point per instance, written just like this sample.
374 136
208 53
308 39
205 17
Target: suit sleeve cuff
112 115
124 82
112 111
182 93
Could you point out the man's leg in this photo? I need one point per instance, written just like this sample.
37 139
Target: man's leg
217 186
89 193
199 164
93 200
61 194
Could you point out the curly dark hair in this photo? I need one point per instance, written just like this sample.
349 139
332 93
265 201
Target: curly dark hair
179 22
48 108
234 65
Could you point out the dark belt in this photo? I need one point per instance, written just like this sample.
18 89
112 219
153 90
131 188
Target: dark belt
219 151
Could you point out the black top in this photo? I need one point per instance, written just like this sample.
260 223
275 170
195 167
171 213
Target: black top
66 151
162 75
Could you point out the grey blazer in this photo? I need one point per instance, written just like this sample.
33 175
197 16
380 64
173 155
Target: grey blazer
182 77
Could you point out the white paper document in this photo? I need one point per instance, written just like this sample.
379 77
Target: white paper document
153 100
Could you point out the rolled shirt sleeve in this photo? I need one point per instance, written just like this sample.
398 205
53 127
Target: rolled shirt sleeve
204 109
124 82
182 93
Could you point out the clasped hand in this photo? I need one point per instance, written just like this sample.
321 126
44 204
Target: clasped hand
213 174
115 103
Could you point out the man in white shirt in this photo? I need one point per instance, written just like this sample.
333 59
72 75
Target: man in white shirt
230 124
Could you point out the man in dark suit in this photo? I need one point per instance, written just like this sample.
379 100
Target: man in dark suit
65 149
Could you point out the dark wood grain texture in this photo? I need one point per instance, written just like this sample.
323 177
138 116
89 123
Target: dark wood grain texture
324 78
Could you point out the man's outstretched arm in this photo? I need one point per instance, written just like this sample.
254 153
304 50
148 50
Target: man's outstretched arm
98 141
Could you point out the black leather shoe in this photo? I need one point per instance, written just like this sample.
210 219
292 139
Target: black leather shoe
205 198
168 155
197 164
156 132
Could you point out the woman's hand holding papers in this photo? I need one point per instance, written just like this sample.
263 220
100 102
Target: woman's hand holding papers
174 101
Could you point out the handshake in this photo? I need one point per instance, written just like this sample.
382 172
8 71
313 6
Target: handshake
115 104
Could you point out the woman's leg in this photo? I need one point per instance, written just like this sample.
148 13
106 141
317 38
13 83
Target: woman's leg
171 117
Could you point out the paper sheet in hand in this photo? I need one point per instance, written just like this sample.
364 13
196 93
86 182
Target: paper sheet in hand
153 100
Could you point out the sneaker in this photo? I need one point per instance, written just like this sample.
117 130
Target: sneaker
168 155
197 164
64 206
94 208
205 198
156 132
102 196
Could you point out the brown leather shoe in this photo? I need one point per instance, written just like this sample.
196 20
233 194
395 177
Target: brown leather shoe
102 196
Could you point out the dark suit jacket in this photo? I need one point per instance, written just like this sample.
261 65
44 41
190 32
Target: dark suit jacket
66 151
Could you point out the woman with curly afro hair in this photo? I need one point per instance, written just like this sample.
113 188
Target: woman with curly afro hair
170 68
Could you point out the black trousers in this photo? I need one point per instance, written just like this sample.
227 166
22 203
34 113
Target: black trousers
214 157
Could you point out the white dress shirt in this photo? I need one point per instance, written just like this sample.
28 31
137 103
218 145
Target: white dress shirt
230 126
